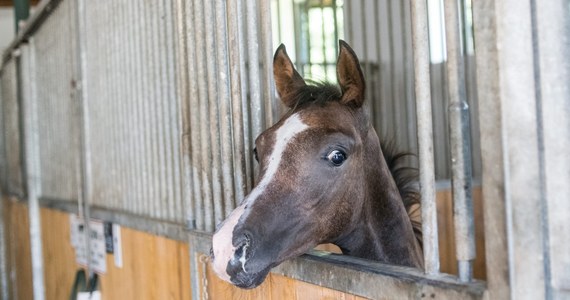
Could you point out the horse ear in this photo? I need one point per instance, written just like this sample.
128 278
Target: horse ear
287 79
349 76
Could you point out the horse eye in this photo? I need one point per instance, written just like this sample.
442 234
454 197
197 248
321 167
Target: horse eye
336 157
255 154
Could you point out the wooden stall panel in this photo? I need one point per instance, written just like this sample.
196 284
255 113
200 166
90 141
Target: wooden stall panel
18 249
448 262
275 287
153 268
58 254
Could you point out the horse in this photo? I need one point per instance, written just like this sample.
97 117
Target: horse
323 178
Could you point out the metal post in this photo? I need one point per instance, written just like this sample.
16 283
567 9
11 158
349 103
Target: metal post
420 44
31 145
257 105
204 213
214 125
235 18
82 95
225 108
271 106
460 140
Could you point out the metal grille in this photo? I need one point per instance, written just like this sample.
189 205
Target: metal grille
230 101
131 97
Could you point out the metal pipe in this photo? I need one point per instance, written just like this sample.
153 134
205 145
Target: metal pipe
420 44
245 107
32 152
235 17
174 114
460 140
214 125
271 106
204 216
84 115
192 147
138 101
225 107
256 103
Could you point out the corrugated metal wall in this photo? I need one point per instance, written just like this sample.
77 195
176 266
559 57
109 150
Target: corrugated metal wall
56 66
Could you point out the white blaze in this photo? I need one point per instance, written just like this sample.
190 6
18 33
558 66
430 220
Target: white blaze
222 239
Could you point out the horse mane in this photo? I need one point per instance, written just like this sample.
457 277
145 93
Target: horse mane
406 177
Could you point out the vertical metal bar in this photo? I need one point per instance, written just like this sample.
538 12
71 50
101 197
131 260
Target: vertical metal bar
192 147
377 105
140 99
148 109
30 113
420 43
459 134
205 207
4 291
214 126
553 42
248 139
185 62
174 114
256 109
131 132
225 107
271 107
235 17
167 204
365 60
84 113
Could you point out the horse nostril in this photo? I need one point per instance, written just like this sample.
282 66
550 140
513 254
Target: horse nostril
241 253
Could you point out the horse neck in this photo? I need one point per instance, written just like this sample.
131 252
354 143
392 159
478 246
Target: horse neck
383 230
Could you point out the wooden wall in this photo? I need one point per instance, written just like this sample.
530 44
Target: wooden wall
18 256
153 267
158 268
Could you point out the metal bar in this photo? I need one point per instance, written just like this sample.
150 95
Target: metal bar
245 107
214 125
235 18
460 140
225 108
174 114
84 115
257 105
191 122
205 206
420 43
138 101
30 113
183 83
553 42
271 106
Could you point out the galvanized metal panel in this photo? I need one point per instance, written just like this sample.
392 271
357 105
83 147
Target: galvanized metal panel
133 108
12 127
58 121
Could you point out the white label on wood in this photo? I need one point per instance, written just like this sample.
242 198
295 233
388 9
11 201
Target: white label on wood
117 247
